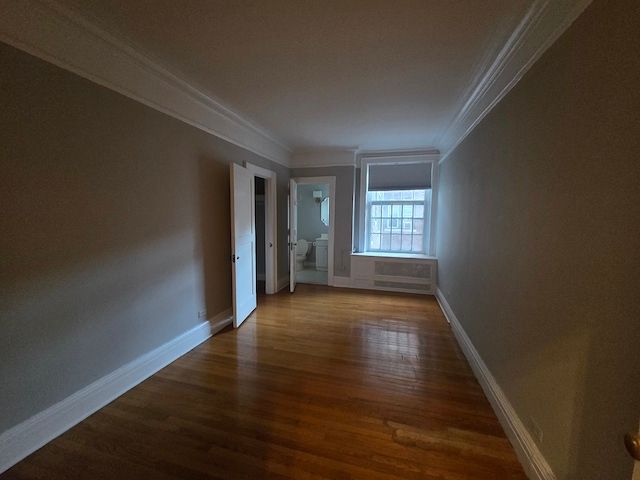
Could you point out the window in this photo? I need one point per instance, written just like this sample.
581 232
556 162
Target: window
396 204
396 220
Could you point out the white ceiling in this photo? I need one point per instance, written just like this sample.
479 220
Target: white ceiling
373 74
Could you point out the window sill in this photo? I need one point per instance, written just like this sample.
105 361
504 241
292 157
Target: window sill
411 256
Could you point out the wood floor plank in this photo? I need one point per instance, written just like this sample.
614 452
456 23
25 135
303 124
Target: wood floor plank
323 384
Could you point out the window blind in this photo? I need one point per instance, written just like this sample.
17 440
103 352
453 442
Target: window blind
405 176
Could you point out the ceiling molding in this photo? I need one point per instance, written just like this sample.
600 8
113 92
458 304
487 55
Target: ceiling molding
324 157
541 26
60 36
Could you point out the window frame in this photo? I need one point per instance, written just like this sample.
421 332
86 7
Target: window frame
395 159
399 221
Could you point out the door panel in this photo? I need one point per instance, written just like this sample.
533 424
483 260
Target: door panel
243 240
293 232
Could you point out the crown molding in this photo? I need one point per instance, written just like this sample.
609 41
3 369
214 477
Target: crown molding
540 27
58 35
324 157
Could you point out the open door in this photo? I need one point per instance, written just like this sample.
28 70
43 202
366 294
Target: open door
293 232
243 240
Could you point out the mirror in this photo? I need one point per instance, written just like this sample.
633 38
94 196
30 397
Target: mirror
324 211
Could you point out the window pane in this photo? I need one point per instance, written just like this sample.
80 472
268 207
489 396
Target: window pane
375 225
374 242
416 245
418 226
396 240
376 211
406 243
396 211
386 210
407 195
418 211
386 225
386 241
418 194
407 211
407 226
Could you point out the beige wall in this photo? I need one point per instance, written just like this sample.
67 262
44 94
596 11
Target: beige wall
115 231
539 242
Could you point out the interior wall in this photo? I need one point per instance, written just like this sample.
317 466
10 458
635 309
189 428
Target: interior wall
115 231
345 179
538 243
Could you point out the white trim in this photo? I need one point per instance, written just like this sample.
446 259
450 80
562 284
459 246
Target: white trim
59 35
534 463
324 157
28 436
542 24
343 282
221 320
401 256
332 215
401 152
270 225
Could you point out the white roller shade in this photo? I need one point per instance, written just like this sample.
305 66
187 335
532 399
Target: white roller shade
406 176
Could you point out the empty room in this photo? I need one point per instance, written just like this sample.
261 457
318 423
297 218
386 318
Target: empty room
320 239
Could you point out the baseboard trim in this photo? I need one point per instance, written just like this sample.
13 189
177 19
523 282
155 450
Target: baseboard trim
35 432
532 460
342 282
221 320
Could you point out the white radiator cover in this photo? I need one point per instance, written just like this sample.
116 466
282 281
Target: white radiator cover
412 274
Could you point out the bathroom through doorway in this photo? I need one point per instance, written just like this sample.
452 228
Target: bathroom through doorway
313 230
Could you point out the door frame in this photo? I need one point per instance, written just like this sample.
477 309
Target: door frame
271 225
331 180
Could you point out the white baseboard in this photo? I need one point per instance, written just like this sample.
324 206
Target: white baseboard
348 282
28 436
343 282
532 460
221 320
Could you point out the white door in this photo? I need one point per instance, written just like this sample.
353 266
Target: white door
293 232
243 244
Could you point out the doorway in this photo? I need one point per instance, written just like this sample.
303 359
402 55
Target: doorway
312 203
261 246
244 251
266 228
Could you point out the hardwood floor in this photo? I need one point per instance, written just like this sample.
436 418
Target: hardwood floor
322 384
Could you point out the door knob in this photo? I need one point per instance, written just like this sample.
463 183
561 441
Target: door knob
632 442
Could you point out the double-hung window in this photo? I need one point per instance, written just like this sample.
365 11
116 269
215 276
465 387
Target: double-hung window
397 209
